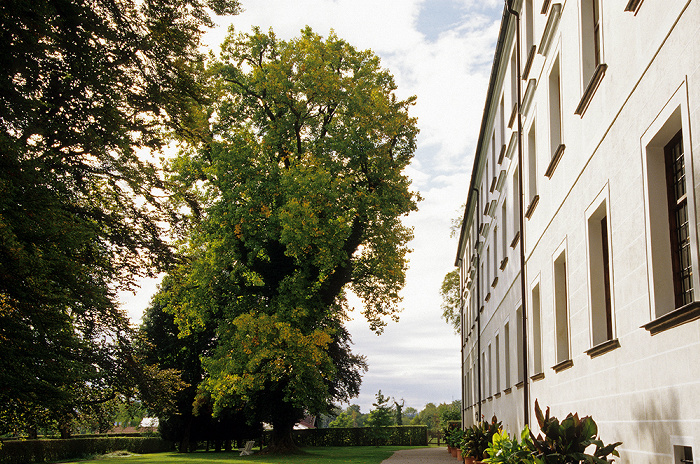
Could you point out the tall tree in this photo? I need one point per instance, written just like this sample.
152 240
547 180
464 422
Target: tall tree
86 86
300 189
381 417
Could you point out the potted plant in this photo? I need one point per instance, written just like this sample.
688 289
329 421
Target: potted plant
506 450
454 438
480 438
465 446
566 442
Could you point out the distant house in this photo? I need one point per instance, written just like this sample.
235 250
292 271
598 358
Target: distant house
308 422
593 305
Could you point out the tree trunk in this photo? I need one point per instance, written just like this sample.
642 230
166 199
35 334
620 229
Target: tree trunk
185 440
64 430
281 440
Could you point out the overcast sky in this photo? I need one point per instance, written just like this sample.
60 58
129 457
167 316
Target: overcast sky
441 51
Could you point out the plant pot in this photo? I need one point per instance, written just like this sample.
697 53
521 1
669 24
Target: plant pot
468 460
459 454
453 451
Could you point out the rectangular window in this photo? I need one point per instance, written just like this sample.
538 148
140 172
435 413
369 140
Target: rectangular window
490 369
496 262
483 375
501 126
671 247
532 163
504 229
468 382
482 283
516 201
536 330
506 353
682 455
475 384
600 276
555 128
529 25
498 364
488 269
513 87
519 342
678 221
591 38
561 312
494 165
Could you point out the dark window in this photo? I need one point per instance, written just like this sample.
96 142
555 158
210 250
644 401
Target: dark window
678 220
596 31
606 276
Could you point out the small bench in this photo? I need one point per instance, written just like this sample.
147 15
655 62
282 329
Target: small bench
248 450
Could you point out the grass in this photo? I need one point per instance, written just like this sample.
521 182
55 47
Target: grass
325 455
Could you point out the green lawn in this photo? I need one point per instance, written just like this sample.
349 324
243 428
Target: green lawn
330 455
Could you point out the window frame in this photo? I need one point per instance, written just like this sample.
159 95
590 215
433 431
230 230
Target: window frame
597 258
663 313
563 360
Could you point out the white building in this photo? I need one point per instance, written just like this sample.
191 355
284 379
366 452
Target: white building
610 195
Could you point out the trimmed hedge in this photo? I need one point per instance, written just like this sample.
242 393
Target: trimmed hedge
405 435
30 451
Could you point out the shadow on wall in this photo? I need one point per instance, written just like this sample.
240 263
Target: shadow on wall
655 417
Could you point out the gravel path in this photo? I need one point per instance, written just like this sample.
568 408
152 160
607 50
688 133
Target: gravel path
422 456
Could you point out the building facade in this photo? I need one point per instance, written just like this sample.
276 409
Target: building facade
589 139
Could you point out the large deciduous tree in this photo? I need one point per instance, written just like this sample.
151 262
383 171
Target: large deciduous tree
85 87
296 187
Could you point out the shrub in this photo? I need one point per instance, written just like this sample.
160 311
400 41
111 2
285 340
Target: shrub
405 435
29 451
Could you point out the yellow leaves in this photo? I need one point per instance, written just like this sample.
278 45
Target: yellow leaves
263 348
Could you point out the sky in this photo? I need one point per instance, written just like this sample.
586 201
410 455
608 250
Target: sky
442 52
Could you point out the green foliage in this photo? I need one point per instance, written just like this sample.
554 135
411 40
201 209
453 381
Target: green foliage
406 435
344 420
295 186
449 291
566 442
506 450
380 418
86 88
454 437
450 412
352 417
27 451
478 440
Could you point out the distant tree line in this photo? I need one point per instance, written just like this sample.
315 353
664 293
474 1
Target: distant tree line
432 416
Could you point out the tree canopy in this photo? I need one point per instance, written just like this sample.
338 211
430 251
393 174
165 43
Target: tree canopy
296 190
86 87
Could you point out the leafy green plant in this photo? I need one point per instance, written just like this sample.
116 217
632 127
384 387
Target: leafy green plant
506 450
566 442
466 444
453 437
479 439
